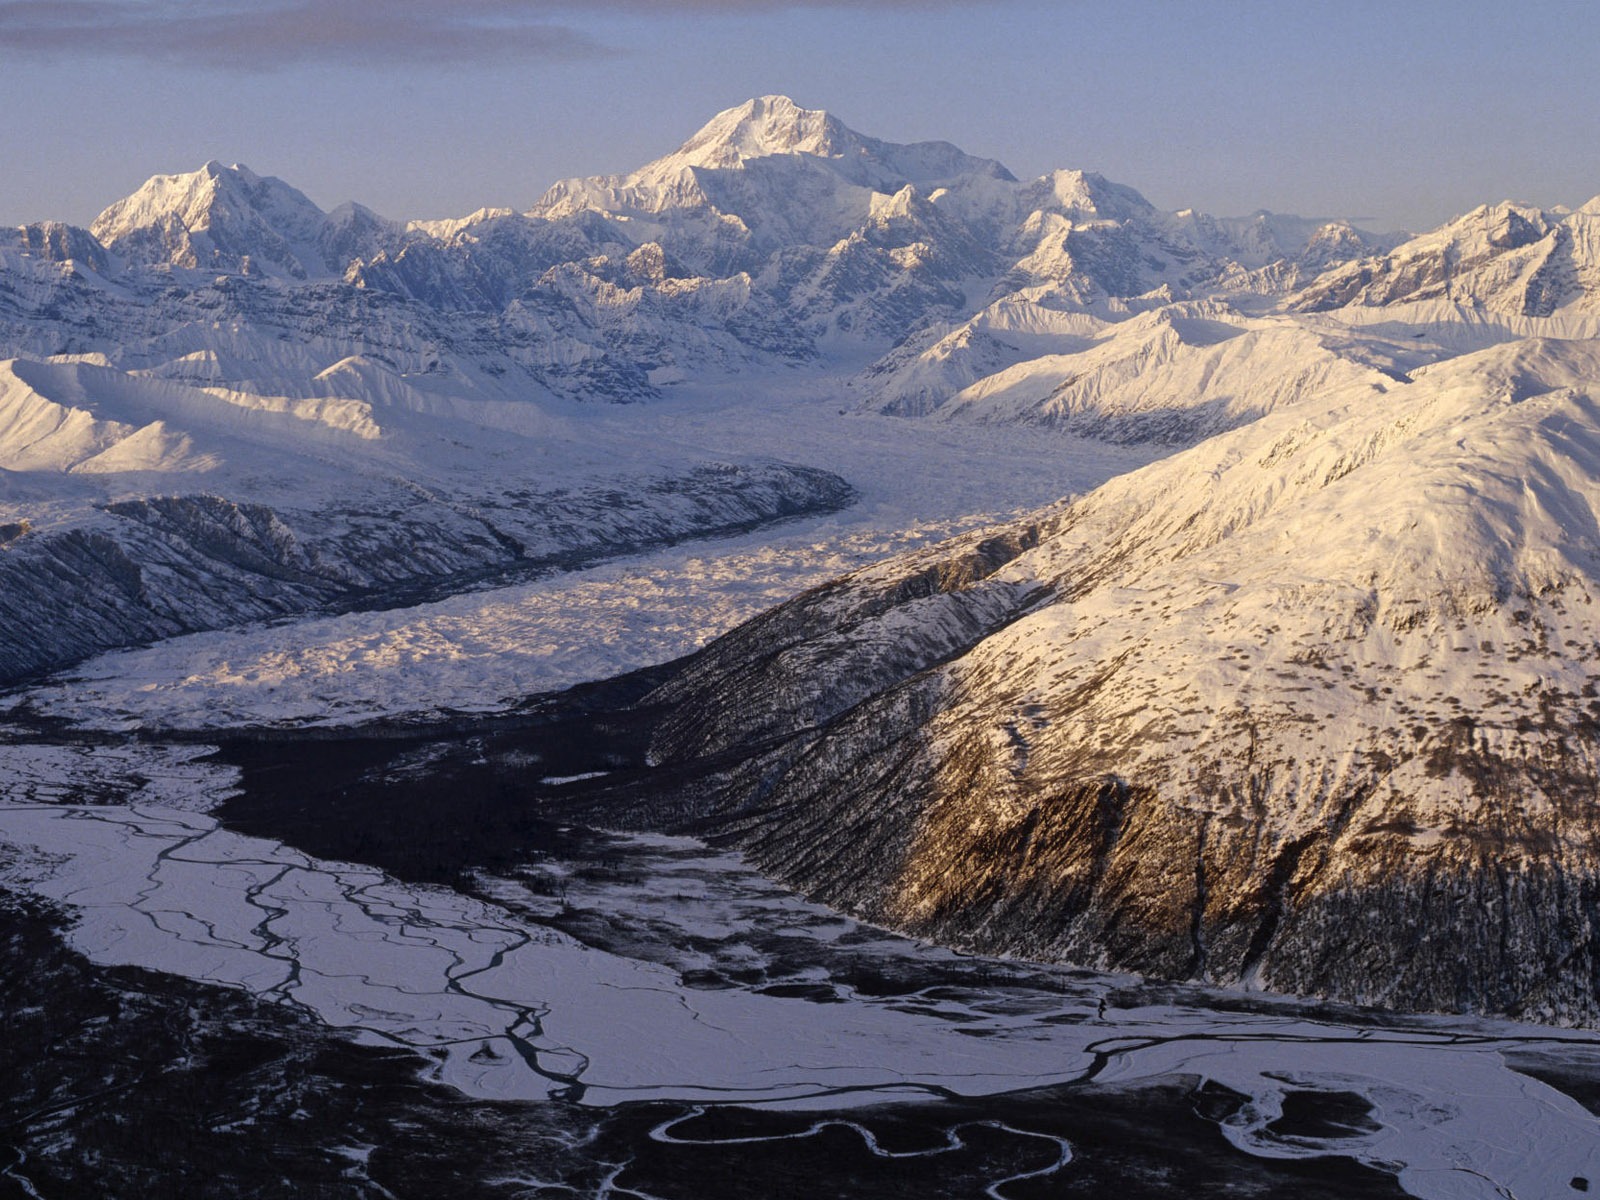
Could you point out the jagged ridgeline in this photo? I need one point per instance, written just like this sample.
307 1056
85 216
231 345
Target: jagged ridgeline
771 238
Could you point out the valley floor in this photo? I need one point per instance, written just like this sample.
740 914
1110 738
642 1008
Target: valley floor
658 1003
487 650
543 1008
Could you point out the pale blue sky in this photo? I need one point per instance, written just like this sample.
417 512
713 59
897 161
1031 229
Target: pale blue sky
1404 113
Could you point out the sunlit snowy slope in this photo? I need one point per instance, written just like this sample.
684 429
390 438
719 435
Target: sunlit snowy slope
1311 706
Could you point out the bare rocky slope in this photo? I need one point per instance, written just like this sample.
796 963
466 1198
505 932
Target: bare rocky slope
134 508
143 569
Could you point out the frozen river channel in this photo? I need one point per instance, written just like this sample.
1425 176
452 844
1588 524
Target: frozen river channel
633 969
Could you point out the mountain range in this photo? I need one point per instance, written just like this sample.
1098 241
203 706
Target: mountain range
1307 704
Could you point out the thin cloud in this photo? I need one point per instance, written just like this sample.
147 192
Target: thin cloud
268 35
276 33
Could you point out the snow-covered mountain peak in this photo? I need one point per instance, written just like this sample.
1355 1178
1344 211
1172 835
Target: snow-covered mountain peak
770 156
196 198
447 227
351 213
776 234
1513 260
764 126
1088 194
217 218
769 126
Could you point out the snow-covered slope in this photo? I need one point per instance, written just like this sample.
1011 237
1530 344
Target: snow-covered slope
222 219
1506 262
1498 273
1308 707
769 174
136 507
1174 375
39 433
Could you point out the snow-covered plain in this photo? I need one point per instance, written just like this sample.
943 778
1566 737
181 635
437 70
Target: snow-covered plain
175 776
504 1008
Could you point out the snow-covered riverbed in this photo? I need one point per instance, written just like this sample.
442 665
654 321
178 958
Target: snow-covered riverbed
498 1003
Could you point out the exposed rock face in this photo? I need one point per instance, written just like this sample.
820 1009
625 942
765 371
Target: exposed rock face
1309 707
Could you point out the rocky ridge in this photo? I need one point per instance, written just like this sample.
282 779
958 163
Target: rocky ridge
139 507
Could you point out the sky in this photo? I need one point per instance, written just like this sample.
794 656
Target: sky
1402 115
